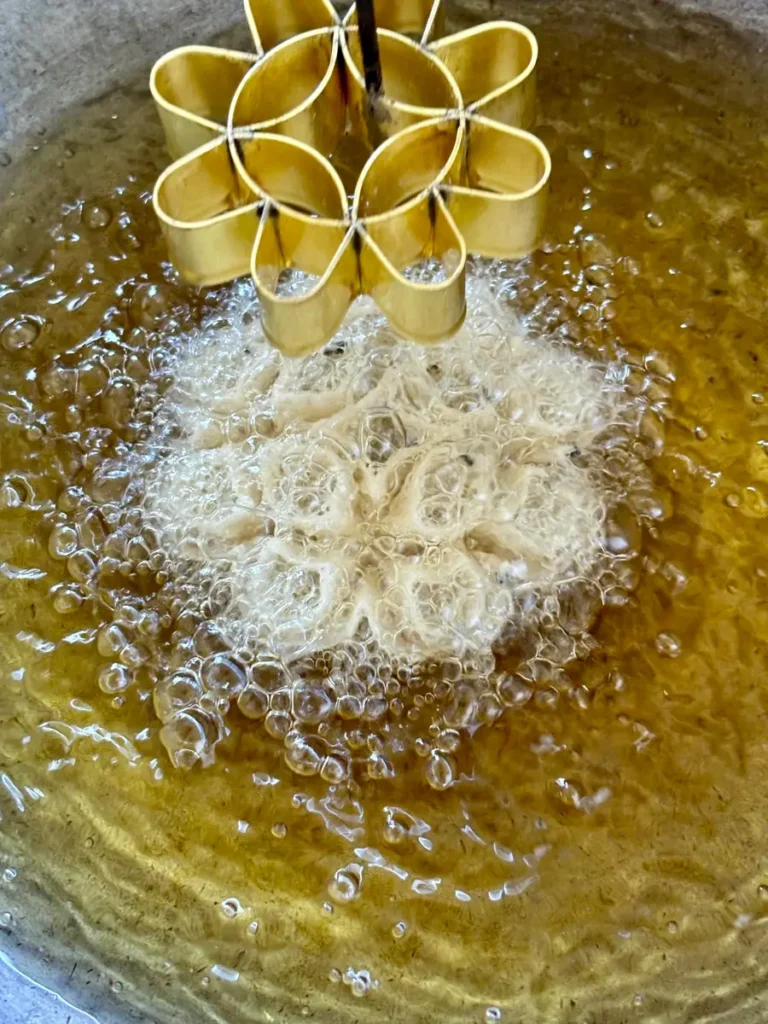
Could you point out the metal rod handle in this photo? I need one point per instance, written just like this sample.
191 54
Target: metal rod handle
369 44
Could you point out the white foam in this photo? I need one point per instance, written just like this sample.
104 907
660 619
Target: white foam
425 497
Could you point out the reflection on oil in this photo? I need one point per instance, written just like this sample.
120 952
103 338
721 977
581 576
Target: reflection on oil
601 855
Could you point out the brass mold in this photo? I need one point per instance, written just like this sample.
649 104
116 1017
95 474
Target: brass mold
282 162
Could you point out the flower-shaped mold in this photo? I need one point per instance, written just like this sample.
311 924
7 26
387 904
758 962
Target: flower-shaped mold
282 162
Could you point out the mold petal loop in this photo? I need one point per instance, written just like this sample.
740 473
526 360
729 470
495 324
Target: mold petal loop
297 89
499 202
193 88
208 214
405 220
303 227
418 19
417 86
273 21
495 68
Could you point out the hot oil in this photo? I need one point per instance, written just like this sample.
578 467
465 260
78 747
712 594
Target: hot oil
603 859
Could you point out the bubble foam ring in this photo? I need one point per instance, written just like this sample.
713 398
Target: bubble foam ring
427 502
269 146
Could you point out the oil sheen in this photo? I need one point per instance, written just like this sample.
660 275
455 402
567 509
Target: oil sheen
581 837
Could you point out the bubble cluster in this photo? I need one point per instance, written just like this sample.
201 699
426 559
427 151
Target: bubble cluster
524 746
353 536
338 549
425 496
360 983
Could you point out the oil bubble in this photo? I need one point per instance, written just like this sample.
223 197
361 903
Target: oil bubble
149 305
114 678
110 640
303 759
253 702
62 542
20 333
668 645
346 883
96 216
223 676
312 704
231 907
175 693
439 772
67 600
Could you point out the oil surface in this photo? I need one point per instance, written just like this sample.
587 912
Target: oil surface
609 830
